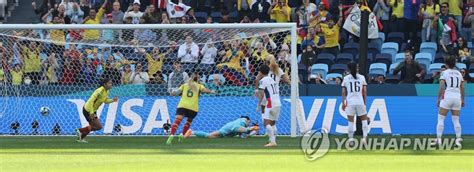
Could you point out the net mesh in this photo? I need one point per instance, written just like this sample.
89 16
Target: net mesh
60 68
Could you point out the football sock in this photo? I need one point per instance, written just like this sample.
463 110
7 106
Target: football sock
175 126
271 134
350 131
186 126
85 131
365 128
274 129
440 126
457 126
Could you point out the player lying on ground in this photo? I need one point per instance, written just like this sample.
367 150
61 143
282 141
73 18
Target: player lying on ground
231 129
188 105
450 98
99 96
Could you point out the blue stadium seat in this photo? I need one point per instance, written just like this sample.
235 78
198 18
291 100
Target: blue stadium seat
234 14
435 67
201 16
322 69
338 68
400 57
390 48
378 68
374 48
325 58
397 37
370 58
424 58
216 16
382 36
469 45
333 75
377 41
344 58
302 70
429 47
424 66
461 66
383 58
392 67
352 48
439 57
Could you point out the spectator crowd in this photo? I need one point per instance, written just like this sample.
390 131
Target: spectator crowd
158 56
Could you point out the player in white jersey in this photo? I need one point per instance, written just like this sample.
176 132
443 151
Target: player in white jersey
354 95
277 74
268 89
450 98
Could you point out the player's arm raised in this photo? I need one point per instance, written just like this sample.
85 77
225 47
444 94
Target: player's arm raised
285 79
442 83
257 81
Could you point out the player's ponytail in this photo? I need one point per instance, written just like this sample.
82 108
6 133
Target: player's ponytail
273 65
193 80
353 69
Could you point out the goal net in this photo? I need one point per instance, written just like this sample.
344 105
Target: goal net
59 66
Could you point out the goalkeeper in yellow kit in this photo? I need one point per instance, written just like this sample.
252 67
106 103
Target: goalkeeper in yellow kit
100 96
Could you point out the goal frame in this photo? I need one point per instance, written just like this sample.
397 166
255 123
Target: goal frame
291 26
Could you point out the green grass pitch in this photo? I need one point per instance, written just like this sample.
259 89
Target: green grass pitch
25 153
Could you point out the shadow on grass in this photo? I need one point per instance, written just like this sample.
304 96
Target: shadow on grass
158 143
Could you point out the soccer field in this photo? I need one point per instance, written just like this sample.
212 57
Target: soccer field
229 154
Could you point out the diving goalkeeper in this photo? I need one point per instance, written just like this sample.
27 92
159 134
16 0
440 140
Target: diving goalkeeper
231 129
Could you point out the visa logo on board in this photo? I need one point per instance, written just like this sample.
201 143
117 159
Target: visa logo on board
306 121
159 108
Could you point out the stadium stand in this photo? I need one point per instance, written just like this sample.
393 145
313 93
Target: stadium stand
387 49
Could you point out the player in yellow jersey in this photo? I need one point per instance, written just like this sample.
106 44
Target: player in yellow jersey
188 105
100 96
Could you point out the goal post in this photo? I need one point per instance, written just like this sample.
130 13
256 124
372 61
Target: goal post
108 50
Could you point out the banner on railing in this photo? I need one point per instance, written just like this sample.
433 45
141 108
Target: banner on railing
146 115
